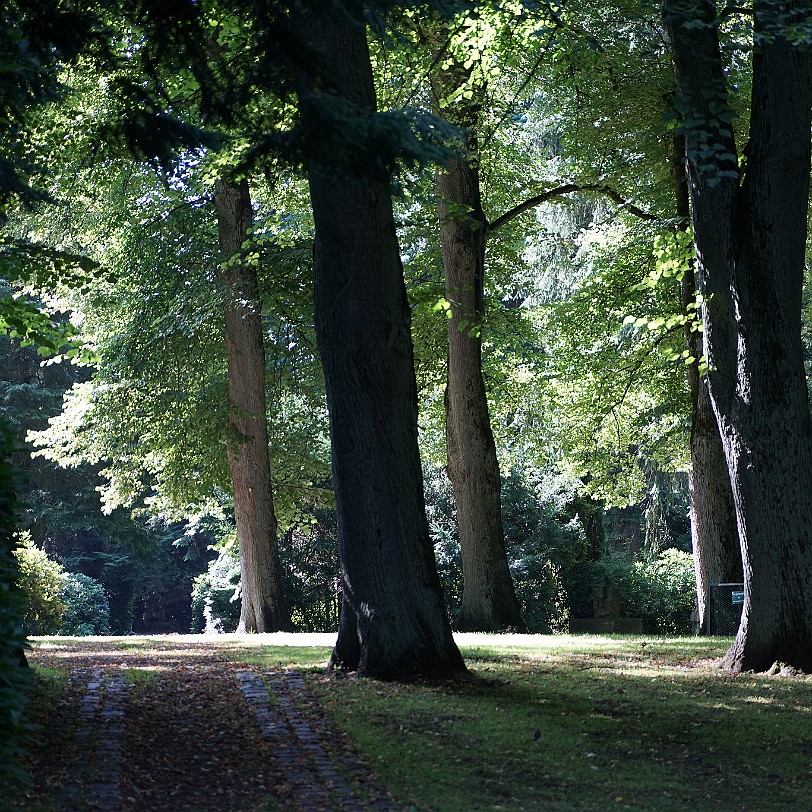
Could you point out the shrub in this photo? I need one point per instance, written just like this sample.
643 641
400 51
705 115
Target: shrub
442 519
216 595
670 591
543 547
15 681
87 607
661 591
309 556
41 580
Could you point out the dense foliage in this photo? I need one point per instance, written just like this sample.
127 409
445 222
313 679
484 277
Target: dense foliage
15 680
661 591
41 580
216 594
87 609
109 241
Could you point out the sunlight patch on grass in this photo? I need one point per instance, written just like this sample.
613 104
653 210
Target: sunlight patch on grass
55 678
577 722
540 725
272 657
143 676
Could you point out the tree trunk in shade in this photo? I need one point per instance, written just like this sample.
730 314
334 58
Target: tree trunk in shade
715 537
750 235
393 622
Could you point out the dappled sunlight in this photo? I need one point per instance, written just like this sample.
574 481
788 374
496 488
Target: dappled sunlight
620 720
761 700
47 644
588 651
178 651
246 640
590 715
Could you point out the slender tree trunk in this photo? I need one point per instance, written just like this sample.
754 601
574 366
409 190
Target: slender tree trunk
264 608
489 601
590 513
393 621
750 237
717 555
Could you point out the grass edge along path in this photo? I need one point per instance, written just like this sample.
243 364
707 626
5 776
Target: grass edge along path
558 723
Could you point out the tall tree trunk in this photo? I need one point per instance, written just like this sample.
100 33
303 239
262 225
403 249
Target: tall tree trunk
264 608
489 601
717 553
750 237
715 537
390 585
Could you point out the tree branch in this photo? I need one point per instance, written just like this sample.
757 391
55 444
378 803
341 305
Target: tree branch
730 11
565 189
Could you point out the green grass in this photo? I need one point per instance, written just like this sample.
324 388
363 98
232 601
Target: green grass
50 681
143 677
587 723
540 723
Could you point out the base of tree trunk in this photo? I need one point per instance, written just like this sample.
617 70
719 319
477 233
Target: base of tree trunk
478 621
783 656
346 654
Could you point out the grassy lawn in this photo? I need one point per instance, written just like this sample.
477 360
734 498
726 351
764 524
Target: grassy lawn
547 723
587 723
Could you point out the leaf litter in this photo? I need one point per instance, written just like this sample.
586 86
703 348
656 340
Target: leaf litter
191 741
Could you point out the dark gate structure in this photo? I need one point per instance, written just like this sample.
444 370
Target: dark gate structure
725 602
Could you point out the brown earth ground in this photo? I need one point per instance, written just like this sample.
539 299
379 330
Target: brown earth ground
175 728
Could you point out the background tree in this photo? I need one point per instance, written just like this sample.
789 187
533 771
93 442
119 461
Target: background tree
489 601
717 554
604 83
264 608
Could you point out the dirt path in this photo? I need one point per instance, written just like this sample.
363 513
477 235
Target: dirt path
195 733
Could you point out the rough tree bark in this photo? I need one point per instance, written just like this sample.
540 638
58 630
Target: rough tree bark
393 622
750 235
264 608
489 601
715 538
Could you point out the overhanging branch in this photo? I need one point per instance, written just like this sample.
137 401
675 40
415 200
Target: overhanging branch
566 189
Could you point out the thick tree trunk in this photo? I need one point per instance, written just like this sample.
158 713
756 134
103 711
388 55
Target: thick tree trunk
389 576
715 537
264 608
750 240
